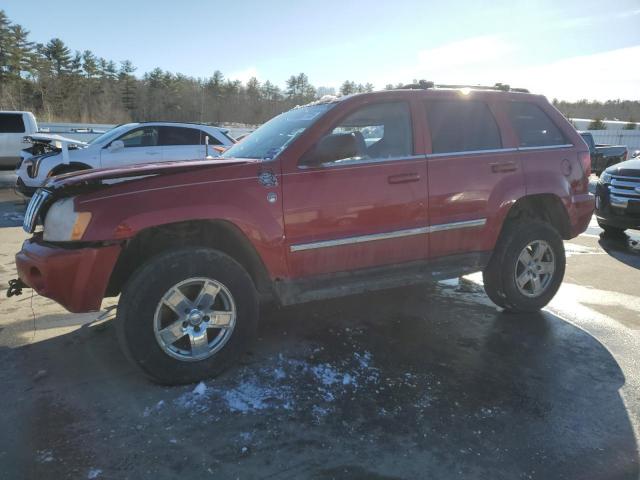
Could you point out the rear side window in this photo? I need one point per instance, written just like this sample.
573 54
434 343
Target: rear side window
11 123
180 136
533 127
212 140
461 126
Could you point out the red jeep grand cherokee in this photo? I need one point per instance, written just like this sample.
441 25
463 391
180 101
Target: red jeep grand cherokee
341 196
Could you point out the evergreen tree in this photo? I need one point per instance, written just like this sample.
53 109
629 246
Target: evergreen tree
59 55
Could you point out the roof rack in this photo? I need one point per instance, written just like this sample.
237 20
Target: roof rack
500 87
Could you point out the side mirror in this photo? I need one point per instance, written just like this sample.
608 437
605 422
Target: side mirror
635 154
116 145
335 146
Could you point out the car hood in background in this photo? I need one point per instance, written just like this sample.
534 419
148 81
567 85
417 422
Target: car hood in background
87 180
629 168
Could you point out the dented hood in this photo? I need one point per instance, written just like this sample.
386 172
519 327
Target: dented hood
89 180
56 141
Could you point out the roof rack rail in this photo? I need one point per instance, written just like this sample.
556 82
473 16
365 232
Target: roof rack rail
500 87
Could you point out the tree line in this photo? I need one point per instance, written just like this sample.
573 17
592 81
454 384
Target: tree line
623 110
58 84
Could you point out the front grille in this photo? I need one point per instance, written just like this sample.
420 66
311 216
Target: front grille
626 188
32 214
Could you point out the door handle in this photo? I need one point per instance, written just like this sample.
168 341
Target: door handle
403 178
503 167
153 153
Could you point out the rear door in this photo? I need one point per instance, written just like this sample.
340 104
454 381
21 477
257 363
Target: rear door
182 143
140 146
470 168
12 129
365 211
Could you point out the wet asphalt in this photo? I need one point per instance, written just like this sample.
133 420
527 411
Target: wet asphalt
420 382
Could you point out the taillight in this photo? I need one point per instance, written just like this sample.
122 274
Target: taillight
585 162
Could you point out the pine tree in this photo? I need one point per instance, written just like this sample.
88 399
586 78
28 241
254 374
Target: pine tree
127 85
59 55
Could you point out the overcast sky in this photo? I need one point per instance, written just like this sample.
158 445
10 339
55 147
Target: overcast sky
565 49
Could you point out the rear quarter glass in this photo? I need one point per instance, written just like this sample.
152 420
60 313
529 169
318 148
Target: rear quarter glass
11 123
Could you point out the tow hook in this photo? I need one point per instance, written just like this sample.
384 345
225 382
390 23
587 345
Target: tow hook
15 287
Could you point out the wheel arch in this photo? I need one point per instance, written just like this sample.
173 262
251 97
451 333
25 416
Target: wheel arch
68 166
221 235
547 207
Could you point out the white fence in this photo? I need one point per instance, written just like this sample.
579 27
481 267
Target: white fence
630 138
78 131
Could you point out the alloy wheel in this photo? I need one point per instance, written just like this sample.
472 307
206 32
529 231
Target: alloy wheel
194 319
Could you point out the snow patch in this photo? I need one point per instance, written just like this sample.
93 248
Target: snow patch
94 473
571 249
44 456
251 395
156 408
200 389
283 384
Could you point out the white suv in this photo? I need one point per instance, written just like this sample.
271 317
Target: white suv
128 144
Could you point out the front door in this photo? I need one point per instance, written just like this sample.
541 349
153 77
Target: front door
363 211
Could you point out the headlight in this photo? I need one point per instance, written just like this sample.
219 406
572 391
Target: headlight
605 177
63 223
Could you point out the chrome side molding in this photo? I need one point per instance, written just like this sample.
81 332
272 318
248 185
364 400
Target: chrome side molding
388 235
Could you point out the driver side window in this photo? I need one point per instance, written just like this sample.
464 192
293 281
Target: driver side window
381 131
141 137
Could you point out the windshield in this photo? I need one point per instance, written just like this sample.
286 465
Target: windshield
111 134
274 136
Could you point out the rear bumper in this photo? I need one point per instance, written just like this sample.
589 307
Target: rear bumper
580 212
76 278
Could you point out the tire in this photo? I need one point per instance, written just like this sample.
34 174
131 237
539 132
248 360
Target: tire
609 230
144 315
505 265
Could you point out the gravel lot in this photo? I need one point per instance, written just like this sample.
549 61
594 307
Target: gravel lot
429 382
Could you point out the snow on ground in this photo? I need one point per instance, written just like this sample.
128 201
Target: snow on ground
44 456
94 473
284 384
571 249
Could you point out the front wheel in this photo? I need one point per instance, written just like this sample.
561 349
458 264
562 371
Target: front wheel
187 315
526 268
609 230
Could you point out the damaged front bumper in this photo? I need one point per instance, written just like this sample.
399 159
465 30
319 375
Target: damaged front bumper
75 277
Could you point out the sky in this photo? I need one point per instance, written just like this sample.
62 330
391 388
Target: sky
563 49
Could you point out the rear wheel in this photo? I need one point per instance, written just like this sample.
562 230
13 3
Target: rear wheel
526 268
187 315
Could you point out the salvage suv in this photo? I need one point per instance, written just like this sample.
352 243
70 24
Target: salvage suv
341 196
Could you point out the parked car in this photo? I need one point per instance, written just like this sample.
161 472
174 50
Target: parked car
307 207
13 127
603 156
127 144
618 197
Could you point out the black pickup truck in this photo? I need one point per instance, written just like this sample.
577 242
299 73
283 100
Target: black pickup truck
603 156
